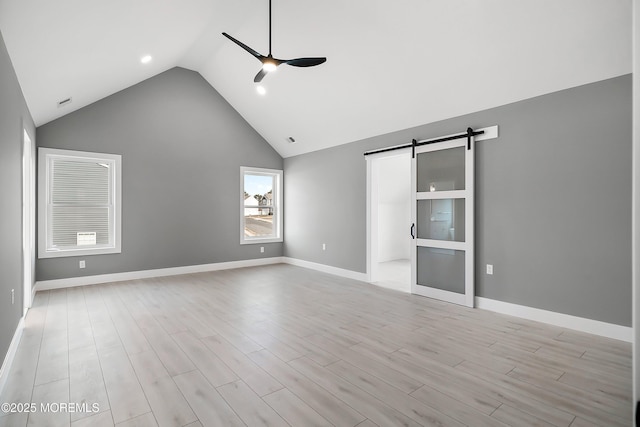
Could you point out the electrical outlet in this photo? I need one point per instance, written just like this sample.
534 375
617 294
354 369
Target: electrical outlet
261 249
490 269
82 264
13 296
324 246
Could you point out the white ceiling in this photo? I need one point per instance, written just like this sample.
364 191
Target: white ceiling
391 64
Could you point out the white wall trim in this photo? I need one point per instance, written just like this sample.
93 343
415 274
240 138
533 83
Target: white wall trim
349 274
596 327
11 354
635 209
46 285
372 216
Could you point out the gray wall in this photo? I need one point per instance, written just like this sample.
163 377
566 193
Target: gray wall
14 117
553 201
182 146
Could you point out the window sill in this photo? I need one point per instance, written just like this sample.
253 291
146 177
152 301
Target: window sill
78 252
259 241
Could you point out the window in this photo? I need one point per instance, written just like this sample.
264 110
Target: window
260 205
78 203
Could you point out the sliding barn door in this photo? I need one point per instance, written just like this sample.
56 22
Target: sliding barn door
442 208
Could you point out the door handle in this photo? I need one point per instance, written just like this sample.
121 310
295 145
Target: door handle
413 228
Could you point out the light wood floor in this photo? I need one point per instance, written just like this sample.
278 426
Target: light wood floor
280 345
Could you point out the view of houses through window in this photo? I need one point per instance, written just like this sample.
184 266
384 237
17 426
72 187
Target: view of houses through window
261 204
258 207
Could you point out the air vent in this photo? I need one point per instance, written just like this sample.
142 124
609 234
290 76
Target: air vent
64 102
291 140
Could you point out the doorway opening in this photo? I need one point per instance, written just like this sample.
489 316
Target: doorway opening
390 220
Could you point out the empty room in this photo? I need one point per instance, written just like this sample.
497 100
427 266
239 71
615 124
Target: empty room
304 213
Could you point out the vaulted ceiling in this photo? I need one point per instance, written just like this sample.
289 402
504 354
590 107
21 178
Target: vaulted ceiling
391 64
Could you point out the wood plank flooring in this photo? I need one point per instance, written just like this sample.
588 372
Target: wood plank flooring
280 345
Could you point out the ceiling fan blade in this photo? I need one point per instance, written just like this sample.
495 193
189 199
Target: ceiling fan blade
258 78
305 62
269 63
245 47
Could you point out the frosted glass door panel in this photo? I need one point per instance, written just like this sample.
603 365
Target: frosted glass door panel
442 170
441 269
441 219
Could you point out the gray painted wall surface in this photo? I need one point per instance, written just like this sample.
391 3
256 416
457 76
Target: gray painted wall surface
553 201
14 117
182 146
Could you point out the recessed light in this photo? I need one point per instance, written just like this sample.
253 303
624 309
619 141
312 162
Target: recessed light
261 90
146 59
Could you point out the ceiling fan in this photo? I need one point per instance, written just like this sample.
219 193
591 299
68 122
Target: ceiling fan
269 63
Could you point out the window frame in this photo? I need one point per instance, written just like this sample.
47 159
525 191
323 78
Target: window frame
277 174
45 158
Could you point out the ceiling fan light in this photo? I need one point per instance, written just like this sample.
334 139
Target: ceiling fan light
269 66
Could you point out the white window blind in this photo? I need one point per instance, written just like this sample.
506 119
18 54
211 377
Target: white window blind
81 210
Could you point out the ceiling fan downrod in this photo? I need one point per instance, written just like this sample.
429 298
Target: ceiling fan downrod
269 63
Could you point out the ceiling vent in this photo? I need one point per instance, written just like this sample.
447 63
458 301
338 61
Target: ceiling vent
64 102
291 140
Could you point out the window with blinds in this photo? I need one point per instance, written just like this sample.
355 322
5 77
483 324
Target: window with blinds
79 203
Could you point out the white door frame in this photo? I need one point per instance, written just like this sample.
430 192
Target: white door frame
490 132
373 173
28 219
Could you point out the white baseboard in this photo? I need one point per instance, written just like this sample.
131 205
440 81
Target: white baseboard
596 327
349 274
11 354
46 285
